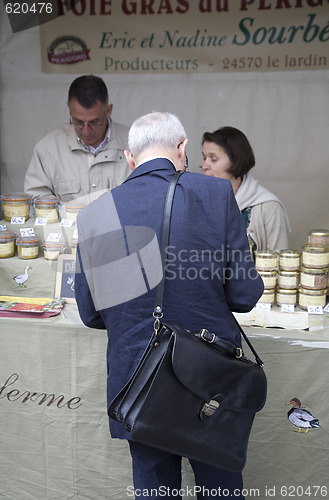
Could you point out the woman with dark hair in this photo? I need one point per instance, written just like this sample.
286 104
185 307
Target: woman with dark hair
227 153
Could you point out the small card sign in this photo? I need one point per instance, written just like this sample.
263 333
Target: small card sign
27 231
54 237
264 306
17 220
3 227
40 221
315 309
65 278
66 222
287 308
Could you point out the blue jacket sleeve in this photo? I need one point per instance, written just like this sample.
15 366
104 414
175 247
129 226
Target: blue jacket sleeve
242 283
88 313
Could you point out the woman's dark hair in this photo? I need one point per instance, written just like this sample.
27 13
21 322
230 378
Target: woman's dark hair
87 90
236 146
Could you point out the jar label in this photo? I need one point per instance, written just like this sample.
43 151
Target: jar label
7 249
289 263
18 211
51 255
287 281
306 300
50 214
26 252
315 259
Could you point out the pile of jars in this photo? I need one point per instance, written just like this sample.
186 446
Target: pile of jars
46 207
292 277
314 270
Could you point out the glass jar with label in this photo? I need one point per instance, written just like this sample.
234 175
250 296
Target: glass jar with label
46 207
315 257
289 260
308 298
318 238
72 209
285 296
28 247
314 278
7 244
52 250
288 279
269 278
266 260
268 296
16 205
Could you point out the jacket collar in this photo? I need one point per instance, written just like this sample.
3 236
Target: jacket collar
163 165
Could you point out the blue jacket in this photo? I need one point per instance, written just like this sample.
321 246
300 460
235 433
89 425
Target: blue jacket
210 271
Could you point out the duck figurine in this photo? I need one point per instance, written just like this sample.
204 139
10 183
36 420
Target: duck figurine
20 279
300 417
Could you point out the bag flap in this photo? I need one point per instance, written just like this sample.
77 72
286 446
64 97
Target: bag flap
208 372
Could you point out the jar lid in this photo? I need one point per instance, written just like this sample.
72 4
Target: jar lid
74 205
16 197
309 270
286 291
267 254
267 273
319 232
289 253
312 291
282 272
268 291
7 235
27 239
49 199
53 244
308 248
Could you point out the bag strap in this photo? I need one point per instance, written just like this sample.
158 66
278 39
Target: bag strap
165 241
158 312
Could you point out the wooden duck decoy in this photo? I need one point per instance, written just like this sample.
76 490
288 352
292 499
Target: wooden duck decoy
20 279
300 417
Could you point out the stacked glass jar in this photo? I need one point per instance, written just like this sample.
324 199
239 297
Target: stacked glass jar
266 263
314 270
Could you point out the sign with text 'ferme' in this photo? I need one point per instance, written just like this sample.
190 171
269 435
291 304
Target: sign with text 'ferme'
186 36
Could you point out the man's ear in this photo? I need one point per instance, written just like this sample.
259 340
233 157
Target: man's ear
109 111
130 159
181 153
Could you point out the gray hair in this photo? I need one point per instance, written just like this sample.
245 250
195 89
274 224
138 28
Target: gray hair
155 129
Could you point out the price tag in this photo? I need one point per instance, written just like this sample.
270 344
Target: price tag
287 308
66 222
315 309
326 309
27 231
55 237
17 220
40 221
264 306
3 227
75 234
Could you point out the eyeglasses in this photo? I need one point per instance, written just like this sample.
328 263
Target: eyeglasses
93 124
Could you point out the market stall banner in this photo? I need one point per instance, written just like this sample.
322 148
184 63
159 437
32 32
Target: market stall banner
186 36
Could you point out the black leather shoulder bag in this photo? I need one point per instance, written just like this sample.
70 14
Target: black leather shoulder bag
192 394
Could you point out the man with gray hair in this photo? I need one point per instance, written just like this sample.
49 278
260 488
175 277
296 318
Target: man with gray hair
209 274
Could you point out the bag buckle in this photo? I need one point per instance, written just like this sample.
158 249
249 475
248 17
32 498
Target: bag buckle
207 336
238 352
210 407
157 315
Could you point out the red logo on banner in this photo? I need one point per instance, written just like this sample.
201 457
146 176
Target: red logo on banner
68 50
